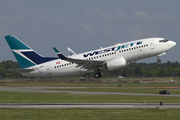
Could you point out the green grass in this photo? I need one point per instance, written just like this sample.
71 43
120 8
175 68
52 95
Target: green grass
76 82
89 114
122 90
35 97
111 85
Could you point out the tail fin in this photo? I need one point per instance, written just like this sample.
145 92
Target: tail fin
25 56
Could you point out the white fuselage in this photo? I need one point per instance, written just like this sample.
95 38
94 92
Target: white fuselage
131 51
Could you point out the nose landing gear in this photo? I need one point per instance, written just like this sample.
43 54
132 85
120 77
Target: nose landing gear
158 60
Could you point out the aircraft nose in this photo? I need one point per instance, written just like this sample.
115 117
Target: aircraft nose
173 43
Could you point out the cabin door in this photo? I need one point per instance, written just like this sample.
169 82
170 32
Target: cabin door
152 44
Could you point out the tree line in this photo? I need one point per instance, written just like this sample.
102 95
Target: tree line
134 69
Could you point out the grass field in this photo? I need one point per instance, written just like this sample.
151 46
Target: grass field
89 114
131 85
35 97
88 82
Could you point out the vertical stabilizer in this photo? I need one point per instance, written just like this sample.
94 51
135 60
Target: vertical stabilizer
25 56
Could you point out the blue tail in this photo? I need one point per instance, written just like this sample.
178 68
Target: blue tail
25 56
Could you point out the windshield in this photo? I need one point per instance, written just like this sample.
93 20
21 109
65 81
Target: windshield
164 41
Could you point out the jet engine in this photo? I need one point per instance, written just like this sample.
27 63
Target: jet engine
116 63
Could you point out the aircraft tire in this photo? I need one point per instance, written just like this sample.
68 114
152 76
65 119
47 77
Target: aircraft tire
158 60
97 75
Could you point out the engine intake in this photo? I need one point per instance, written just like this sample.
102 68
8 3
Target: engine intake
116 63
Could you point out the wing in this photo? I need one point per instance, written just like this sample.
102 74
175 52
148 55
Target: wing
86 64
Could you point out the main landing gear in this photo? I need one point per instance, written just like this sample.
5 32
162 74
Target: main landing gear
98 75
158 60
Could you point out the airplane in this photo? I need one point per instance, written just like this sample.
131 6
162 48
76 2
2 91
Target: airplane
113 57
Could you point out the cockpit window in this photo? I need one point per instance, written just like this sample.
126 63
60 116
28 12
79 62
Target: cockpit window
164 41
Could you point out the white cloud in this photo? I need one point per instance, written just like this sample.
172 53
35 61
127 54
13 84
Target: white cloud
100 13
86 27
140 13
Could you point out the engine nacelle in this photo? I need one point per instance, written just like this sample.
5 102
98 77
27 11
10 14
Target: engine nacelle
116 63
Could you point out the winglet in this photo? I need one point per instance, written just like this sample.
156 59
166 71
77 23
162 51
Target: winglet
71 51
60 55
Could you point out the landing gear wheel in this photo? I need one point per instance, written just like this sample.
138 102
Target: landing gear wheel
158 60
97 75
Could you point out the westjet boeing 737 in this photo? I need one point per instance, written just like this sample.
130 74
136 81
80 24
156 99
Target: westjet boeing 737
114 57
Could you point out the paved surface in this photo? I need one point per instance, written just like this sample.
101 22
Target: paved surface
45 89
89 105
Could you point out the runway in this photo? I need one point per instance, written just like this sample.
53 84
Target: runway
88 105
45 90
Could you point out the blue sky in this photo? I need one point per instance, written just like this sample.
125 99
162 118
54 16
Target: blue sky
85 25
